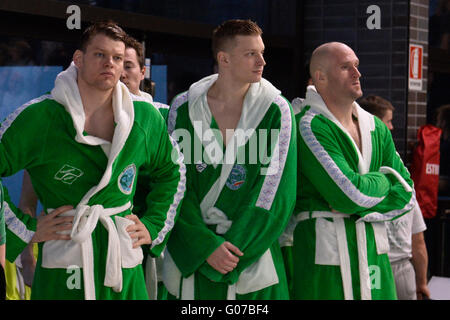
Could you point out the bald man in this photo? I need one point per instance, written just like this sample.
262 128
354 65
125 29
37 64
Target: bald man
351 180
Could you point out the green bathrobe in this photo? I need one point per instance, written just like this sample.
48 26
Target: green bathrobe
344 196
69 167
244 195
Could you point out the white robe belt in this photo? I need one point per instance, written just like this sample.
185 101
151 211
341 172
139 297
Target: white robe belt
85 221
344 258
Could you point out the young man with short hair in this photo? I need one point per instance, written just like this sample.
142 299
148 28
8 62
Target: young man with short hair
83 146
225 244
351 181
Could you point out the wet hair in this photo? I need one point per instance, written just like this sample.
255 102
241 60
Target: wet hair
230 29
376 105
108 28
131 42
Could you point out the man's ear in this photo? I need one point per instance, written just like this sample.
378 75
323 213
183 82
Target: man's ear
78 58
320 75
223 58
143 73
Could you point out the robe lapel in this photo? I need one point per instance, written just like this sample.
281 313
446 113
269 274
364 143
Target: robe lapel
256 103
366 126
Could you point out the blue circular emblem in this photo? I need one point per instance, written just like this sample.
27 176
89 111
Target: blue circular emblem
126 179
236 178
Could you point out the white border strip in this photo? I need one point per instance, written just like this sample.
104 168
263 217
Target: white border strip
13 115
271 182
16 226
173 111
181 188
330 166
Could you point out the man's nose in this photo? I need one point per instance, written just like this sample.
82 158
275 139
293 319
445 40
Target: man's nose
261 60
357 73
109 60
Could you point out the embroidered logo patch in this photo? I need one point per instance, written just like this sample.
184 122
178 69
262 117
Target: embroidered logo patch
236 178
126 179
68 174
200 167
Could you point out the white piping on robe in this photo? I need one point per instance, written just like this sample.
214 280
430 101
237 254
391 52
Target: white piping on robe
366 125
177 102
13 115
279 156
376 216
181 188
16 225
335 173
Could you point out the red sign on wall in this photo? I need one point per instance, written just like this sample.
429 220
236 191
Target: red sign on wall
415 67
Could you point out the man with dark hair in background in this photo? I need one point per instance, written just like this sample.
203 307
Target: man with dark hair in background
379 107
134 72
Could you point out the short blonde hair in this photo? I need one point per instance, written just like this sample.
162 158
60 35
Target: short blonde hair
230 29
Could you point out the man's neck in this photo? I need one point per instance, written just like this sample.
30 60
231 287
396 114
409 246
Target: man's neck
225 100
93 99
341 109
229 93
98 111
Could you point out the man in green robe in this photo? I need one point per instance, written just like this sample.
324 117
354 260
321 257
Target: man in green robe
83 146
237 134
351 180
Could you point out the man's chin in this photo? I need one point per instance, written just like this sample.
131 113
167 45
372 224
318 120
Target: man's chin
256 79
358 94
106 86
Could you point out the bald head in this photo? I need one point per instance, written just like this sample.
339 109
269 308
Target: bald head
323 56
334 71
